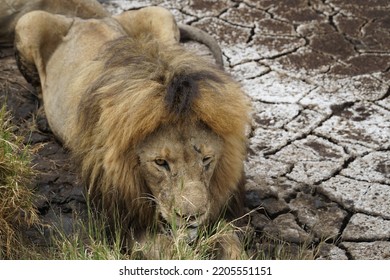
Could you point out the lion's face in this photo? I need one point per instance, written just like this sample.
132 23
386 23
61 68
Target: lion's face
178 165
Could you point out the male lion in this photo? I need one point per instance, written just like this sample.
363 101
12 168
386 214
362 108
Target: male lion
159 132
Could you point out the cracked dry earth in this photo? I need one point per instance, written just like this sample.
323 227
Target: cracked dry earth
317 73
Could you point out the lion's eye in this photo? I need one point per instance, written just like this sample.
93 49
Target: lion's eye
206 161
162 163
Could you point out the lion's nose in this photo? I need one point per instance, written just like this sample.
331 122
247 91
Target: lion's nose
192 199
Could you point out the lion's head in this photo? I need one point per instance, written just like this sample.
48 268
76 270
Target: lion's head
177 164
161 133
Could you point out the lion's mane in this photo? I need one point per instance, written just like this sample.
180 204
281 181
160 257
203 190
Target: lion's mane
136 86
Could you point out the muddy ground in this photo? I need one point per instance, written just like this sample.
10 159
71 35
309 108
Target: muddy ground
317 73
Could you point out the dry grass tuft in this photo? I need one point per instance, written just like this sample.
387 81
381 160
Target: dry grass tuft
16 199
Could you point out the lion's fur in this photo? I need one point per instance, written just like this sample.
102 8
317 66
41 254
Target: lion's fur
128 89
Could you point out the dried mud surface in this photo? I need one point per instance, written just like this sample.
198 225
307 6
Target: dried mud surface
318 167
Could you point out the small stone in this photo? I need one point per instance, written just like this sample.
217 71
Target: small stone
284 227
274 115
314 159
286 189
258 220
36 138
306 121
244 15
374 167
365 227
303 63
325 43
323 218
330 252
248 70
270 46
358 196
267 141
296 12
385 103
364 123
226 33
270 26
259 190
252 199
377 250
50 149
274 206
206 8
349 25
259 169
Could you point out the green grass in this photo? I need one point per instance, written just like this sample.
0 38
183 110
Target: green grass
16 204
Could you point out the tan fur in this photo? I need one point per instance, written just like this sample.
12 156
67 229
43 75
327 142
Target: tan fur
123 103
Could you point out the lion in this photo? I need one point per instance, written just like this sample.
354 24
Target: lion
158 131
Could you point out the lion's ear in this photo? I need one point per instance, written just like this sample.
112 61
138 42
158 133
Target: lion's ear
155 21
37 36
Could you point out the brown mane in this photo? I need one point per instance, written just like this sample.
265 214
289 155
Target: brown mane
141 85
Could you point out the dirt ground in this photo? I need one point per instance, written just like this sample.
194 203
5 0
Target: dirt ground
318 165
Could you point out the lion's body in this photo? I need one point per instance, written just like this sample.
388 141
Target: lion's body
158 131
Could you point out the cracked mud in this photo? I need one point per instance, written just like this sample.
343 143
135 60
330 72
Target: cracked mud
318 167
